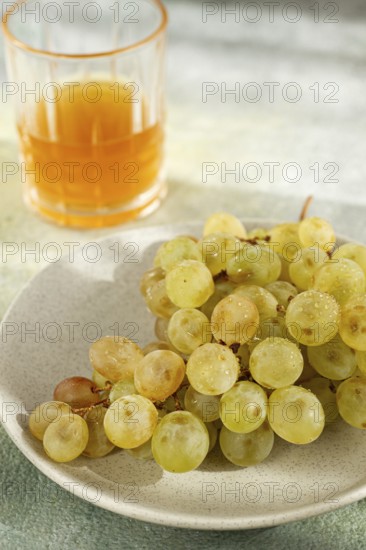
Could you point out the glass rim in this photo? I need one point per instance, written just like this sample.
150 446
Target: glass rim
45 53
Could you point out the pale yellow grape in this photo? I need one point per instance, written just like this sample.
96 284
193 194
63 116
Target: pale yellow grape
158 301
175 251
351 401
189 328
222 222
153 346
285 240
247 449
212 434
216 249
254 264
285 269
258 234
273 327
189 284
150 278
180 442
325 392
212 369
352 327
243 408
130 421
352 251
296 414
235 319
316 231
66 438
99 380
98 443
45 413
302 271
342 280
276 362
161 329
170 404
361 361
312 317
222 289
206 407
283 291
122 388
159 374
265 301
115 357
142 452
333 359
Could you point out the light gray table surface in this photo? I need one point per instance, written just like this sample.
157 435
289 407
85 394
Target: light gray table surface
305 57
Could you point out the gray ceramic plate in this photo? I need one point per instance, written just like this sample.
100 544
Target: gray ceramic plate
71 303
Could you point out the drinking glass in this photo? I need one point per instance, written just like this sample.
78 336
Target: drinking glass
87 80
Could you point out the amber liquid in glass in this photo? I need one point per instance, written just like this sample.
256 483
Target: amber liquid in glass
91 163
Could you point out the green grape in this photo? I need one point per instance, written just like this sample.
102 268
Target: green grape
150 278
323 389
296 414
274 327
247 449
115 357
234 320
333 359
283 291
285 240
158 301
189 284
354 252
172 252
45 413
66 438
352 327
243 408
180 442
254 264
121 389
212 369
276 363
265 301
159 374
99 380
316 231
154 346
222 222
206 407
342 280
351 401
216 248
361 361
222 289
312 317
142 452
212 434
189 328
98 443
308 371
130 421
302 271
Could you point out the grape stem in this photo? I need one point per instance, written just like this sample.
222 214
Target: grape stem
83 410
305 208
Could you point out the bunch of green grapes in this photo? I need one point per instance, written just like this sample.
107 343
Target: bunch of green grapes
258 335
